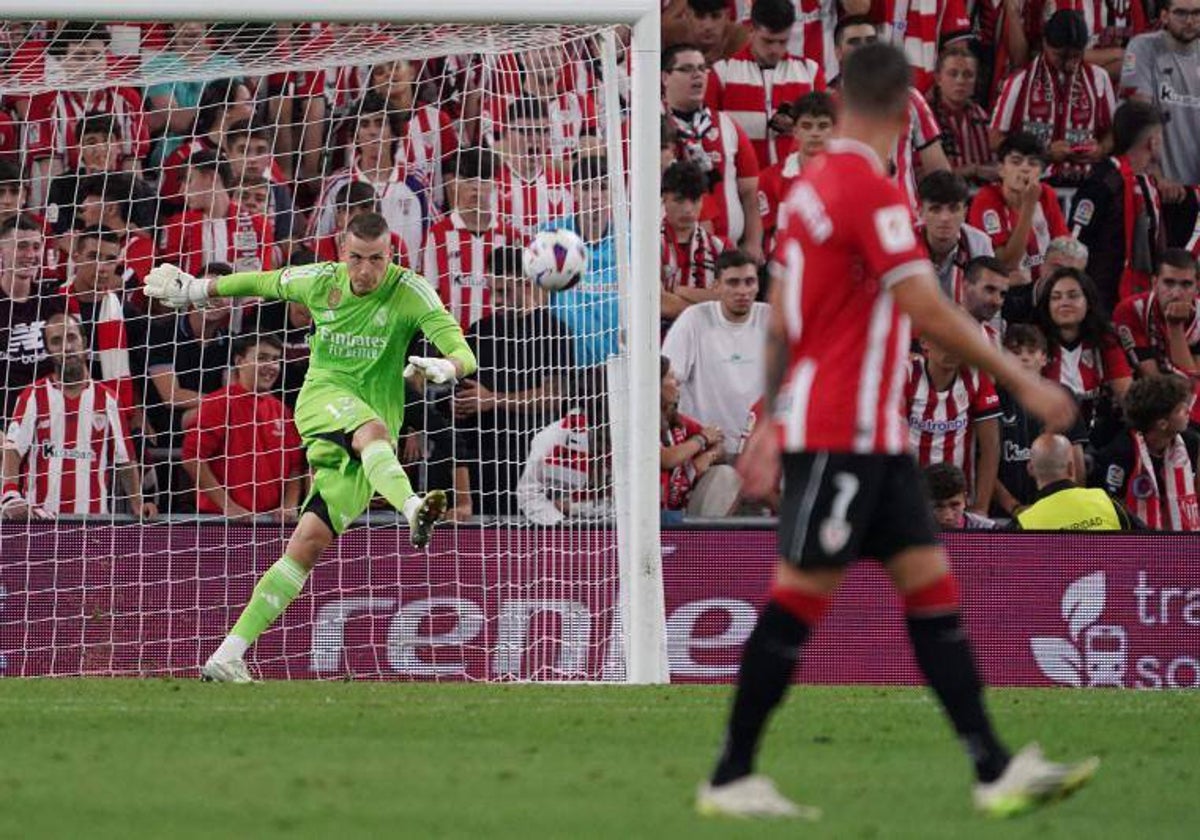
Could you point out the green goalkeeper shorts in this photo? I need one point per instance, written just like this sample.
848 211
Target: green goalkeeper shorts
327 417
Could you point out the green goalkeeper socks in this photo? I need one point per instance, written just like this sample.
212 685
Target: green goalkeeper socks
385 474
274 591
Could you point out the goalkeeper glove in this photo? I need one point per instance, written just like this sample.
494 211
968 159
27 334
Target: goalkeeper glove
175 287
437 371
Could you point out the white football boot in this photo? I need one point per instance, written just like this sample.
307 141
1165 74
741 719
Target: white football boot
1030 781
750 797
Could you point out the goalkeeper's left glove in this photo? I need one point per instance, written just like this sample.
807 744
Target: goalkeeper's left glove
437 371
175 287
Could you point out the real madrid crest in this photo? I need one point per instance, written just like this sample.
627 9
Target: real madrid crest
335 297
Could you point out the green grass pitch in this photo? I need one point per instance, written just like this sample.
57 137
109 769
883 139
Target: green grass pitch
173 759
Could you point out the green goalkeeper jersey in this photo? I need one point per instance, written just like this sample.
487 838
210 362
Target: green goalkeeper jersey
359 344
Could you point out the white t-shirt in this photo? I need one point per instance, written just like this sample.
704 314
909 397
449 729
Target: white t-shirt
719 365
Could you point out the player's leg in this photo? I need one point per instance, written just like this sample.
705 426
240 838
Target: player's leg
372 443
821 528
921 574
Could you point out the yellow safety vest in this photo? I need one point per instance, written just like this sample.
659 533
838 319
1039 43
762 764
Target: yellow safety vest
1071 509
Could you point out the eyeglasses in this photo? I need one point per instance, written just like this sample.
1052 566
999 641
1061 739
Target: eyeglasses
1185 14
690 69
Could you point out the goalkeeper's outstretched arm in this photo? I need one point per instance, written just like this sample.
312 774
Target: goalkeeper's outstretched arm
178 289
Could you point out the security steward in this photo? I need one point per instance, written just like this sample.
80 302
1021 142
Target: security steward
1061 504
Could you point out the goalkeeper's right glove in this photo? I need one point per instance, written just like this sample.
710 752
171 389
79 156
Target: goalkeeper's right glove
175 288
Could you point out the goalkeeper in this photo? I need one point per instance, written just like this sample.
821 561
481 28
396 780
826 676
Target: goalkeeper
366 310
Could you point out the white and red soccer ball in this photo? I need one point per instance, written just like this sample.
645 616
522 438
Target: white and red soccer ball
555 260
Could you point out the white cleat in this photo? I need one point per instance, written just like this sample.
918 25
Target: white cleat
431 511
230 671
1030 781
750 797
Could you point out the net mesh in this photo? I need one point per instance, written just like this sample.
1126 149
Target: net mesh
231 147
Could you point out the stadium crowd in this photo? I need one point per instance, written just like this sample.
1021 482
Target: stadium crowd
1052 166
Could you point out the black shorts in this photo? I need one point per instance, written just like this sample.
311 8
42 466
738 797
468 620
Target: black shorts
839 506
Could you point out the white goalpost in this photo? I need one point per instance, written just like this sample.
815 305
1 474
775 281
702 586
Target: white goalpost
469 125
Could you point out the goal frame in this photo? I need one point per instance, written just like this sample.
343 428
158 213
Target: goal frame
642 603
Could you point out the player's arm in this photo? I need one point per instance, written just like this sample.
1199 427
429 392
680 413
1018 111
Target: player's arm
178 289
919 296
440 328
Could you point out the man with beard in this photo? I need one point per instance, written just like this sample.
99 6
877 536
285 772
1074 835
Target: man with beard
983 295
25 303
1163 68
65 435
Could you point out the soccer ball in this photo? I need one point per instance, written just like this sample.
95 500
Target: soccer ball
555 259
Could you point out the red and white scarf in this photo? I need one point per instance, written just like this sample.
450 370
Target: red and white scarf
1140 196
700 270
1051 112
1169 508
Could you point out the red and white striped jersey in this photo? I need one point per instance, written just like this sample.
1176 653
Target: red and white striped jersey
429 137
68 445
455 262
172 175
571 115
991 214
773 185
845 238
941 424
920 28
921 132
810 37
719 144
751 95
526 205
54 117
242 240
964 132
1039 100
104 324
1085 367
690 263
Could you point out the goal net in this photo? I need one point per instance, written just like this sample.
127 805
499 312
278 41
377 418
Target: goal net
230 147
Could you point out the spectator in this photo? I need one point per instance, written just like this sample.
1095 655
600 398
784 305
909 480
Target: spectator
1061 504
667 136
292 323
853 31
243 451
963 122
1063 101
459 246
77 61
948 491
985 288
247 147
812 34
694 475
12 191
104 202
402 189
951 242
65 435
689 252
224 103
525 357
92 293
1015 484
566 476
718 145
99 154
187 59
1111 26
1160 329
757 85
920 29
1083 352
814 115
352 200
705 23
948 406
1020 213
1062 252
716 349
1152 468
26 301
213 228
1117 212
1006 30
1163 69
189 355
529 194
919 144
589 309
